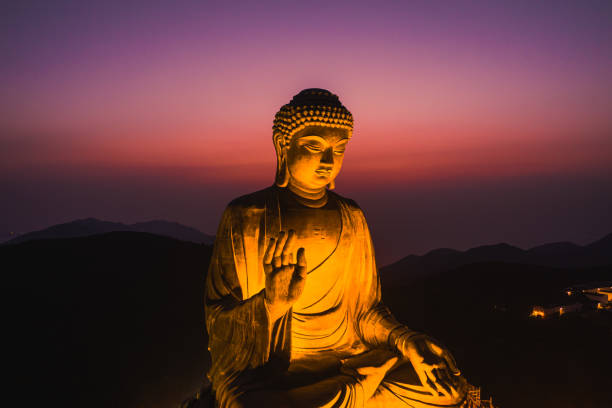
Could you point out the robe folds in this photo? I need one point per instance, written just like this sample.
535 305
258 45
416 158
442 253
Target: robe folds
338 316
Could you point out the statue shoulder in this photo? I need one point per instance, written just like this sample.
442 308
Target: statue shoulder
252 201
348 202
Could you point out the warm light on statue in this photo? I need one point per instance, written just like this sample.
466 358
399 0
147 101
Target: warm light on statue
293 301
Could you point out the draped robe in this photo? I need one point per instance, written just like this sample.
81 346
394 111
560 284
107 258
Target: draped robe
338 316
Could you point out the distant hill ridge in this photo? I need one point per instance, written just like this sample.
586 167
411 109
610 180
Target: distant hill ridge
556 254
129 306
93 226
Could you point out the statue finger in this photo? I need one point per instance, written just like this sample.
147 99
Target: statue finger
299 271
288 247
301 260
431 384
425 381
289 271
285 260
282 239
450 382
450 361
267 259
441 383
277 262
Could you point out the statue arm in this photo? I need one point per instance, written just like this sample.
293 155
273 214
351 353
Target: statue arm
240 333
379 328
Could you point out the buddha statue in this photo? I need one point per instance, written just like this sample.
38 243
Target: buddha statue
293 301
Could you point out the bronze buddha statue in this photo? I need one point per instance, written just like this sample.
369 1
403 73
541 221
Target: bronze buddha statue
293 301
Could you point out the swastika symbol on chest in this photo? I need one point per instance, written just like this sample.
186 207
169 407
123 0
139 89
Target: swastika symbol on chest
319 232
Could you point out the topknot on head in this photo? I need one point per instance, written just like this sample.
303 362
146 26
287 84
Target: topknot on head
315 96
310 107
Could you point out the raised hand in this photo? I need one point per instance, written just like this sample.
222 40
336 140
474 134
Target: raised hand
434 365
284 279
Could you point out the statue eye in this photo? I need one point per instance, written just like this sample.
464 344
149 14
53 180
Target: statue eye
313 147
339 151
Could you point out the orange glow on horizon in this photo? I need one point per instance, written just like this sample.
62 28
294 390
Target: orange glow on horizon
415 157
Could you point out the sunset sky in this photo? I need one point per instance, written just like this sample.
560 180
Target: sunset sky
475 122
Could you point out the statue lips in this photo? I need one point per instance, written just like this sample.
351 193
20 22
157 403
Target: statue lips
324 172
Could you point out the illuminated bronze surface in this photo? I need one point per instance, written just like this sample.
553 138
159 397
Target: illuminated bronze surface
293 301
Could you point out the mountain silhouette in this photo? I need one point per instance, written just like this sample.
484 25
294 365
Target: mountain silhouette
558 254
93 226
117 319
481 312
112 319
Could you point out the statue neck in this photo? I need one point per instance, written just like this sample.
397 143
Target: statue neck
307 193
310 198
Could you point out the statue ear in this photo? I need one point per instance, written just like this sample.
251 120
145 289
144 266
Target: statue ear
331 185
282 171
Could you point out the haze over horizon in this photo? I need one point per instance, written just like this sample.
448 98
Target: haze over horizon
475 122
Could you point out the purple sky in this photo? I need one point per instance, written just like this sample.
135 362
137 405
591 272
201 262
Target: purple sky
476 122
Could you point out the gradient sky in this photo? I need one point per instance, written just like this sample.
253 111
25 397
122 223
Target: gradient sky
475 122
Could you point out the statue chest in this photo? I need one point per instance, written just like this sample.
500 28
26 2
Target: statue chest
318 231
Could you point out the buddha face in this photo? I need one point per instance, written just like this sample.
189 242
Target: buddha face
314 156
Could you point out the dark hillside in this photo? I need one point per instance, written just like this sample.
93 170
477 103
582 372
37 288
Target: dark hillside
558 255
106 320
91 226
481 312
117 320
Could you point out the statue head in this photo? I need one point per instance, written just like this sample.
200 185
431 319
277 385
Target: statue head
310 134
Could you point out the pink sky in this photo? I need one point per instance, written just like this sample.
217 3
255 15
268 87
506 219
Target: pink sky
466 92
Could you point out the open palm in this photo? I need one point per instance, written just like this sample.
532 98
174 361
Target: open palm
434 365
285 279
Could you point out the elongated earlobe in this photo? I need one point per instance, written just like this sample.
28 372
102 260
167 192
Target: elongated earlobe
282 172
331 185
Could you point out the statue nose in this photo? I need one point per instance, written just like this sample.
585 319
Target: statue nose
328 156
